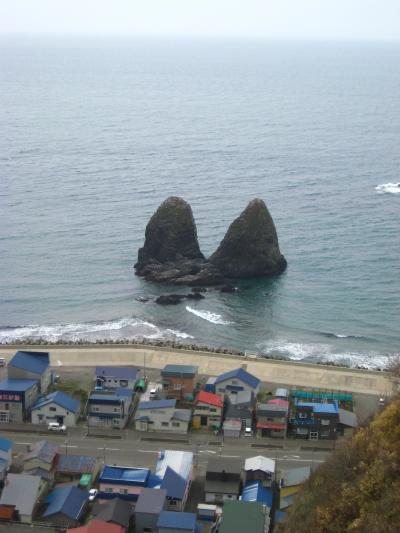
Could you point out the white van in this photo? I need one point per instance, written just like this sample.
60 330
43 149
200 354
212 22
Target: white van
55 426
2 361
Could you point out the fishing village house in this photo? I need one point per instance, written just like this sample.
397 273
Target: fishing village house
272 418
162 415
124 482
82 468
20 497
223 479
208 410
259 468
41 459
31 366
56 407
16 398
150 504
174 469
235 381
66 506
116 377
110 408
179 381
312 420
115 511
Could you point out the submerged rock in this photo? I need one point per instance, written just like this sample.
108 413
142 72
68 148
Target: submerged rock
250 247
170 299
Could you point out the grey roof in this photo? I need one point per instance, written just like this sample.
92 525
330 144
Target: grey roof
243 397
76 464
184 415
233 411
295 476
179 371
42 450
151 501
347 418
117 372
229 465
116 511
22 491
265 408
222 487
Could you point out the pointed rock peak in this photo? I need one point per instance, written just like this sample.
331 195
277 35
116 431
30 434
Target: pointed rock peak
170 236
250 247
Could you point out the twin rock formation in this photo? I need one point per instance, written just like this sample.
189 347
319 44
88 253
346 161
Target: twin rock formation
171 252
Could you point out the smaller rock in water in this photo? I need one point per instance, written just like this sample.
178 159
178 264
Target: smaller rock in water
170 299
142 299
229 288
195 296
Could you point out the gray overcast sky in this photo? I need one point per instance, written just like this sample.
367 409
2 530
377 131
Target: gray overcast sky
310 19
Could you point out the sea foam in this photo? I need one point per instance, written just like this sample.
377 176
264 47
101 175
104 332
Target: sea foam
214 318
391 188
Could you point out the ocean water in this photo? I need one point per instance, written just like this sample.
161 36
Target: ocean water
97 132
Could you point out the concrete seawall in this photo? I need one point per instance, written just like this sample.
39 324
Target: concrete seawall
294 374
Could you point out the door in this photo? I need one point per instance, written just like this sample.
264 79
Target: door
203 420
60 420
313 435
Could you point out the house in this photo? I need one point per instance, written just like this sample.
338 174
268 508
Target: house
41 459
115 511
179 381
148 508
175 471
240 516
5 457
16 398
20 497
109 408
116 377
314 420
259 468
254 491
173 522
347 422
232 427
56 407
66 505
122 481
234 381
240 412
97 526
223 479
33 366
77 467
162 415
272 418
290 484
208 410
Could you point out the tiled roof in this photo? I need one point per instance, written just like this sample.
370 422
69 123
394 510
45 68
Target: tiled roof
239 373
76 464
176 521
117 372
69 501
209 398
36 362
43 450
59 398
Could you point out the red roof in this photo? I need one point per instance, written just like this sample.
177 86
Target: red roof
98 526
278 401
271 425
210 398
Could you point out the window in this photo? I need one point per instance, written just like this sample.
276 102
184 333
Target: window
52 409
116 421
314 435
109 490
172 502
116 409
234 382
178 386
123 491
303 415
176 424
166 424
325 422
302 431
324 433
213 410
221 390
4 416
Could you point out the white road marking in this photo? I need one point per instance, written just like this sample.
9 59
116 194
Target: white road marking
148 451
24 443
233 456
207 451
71 446
104 448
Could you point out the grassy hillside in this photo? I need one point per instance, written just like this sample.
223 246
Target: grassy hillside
358 489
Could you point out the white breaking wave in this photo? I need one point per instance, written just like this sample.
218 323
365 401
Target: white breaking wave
322 353
391 188
118 329
214 318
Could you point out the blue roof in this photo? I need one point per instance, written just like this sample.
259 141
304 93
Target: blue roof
240 373
125 475
69 501
175 520
157 404
331 408
118 372
59 398
110 396
180 370
5 445
174 484
17 385
255 492
36 362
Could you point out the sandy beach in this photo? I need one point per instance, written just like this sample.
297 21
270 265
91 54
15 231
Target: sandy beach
294 374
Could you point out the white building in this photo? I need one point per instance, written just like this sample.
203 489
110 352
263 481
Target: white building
235 381
56 407
162 415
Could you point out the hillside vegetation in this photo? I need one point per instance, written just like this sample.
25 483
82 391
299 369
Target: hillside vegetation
358 488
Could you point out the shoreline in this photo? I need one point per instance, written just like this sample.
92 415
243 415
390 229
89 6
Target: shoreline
292 373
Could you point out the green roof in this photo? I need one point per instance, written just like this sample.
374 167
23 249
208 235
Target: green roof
86 480
239 516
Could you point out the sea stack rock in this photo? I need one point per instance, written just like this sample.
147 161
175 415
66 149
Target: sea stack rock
250 247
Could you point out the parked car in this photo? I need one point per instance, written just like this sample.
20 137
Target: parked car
2 361
55 426
92 494
248 432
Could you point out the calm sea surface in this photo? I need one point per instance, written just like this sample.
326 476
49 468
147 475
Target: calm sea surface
95 133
